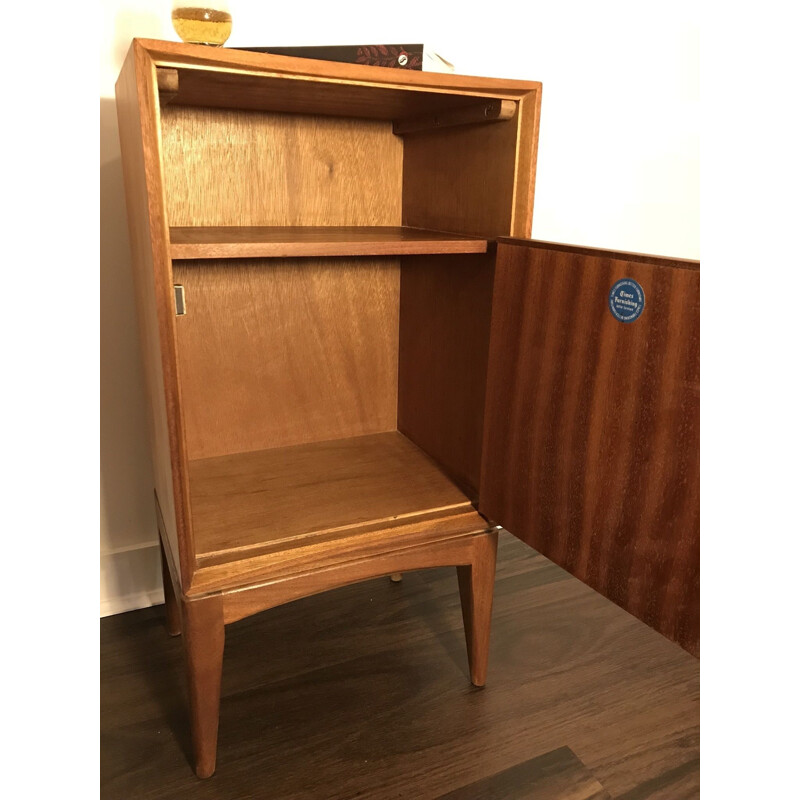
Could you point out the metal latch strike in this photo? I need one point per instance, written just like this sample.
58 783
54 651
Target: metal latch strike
180 300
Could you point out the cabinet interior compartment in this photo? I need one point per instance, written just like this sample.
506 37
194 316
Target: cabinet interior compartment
340 390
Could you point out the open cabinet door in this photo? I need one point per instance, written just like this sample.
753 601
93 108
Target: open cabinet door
591 430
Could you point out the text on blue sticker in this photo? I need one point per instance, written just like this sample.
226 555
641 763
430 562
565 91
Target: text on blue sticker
626 300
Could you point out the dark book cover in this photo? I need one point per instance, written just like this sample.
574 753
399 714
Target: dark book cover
400 56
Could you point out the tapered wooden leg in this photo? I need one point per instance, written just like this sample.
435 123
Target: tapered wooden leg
172 610
476 584
204 642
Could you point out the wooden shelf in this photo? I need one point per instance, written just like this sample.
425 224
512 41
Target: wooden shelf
291 242
264 501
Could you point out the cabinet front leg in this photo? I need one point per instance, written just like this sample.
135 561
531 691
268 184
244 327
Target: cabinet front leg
476 585
204 642
171 608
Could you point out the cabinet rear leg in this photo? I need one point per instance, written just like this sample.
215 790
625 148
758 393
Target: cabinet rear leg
171 608
476 585
204 642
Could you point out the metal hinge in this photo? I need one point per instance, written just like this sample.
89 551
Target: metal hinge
180 300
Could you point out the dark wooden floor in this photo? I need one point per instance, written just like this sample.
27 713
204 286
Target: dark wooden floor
363 692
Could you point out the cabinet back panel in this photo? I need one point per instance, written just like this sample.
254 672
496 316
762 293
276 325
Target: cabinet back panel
227 167
276 352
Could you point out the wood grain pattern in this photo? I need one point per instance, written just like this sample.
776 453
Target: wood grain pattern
204 643
596 252
242 62
591 448
292 241
558 775
232 78
363 692
334 549
477 113
528 113
288 94
281 352
476 587
280 355
467 549
228 166
171 605
461 179
243 501
137 113
225 167
167 82
445 313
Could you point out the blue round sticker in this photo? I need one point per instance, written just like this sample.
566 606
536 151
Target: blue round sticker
626 300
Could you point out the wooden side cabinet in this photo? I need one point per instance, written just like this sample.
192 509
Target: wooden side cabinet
357 366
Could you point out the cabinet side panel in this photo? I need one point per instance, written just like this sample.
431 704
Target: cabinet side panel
461 179
138 141
445 312
226 167
591 441
527 150
277 352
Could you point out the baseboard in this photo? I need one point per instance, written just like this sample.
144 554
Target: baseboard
130 578
130 602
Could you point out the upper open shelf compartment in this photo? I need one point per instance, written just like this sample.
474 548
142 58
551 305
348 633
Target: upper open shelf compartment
293 242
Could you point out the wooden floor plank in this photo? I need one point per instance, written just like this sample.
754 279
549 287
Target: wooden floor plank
364 692
558 775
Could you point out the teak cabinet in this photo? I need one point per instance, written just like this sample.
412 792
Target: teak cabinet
357 365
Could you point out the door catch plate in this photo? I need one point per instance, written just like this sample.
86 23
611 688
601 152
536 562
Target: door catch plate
180 300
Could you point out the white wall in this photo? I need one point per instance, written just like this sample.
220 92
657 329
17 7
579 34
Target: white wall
617 168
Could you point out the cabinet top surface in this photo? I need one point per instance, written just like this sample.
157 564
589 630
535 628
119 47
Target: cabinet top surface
176 54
